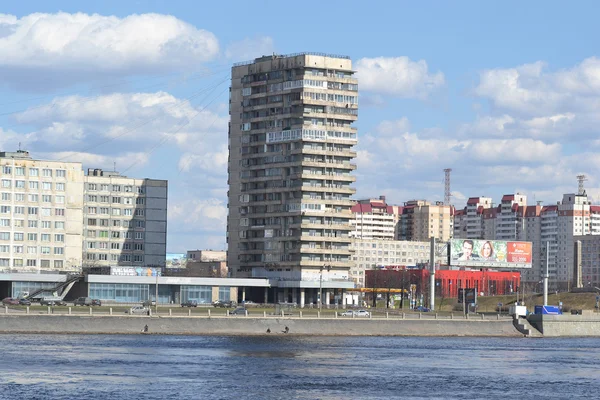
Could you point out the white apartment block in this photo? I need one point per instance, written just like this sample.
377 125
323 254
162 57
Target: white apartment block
125 220
374 219
41 204
373 253
553 226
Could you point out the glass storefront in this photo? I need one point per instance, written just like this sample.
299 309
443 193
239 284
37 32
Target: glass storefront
224 293
119 292
20 287
201 294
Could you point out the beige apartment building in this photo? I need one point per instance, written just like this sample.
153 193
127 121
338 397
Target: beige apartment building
422 220
374 253
125 220
41 204
291 140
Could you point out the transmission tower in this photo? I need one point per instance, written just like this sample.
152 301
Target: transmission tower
447 186
581 179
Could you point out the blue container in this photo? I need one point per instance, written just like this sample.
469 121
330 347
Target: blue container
547 310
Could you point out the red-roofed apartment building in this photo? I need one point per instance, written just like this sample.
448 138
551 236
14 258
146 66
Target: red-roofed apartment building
557 227
375 219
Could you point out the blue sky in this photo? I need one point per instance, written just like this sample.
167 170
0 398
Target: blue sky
507 94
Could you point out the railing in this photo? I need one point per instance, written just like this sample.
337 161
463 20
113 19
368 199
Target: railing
276 56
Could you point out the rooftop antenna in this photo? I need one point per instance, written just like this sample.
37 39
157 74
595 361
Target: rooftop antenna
19 146
580 179
447 193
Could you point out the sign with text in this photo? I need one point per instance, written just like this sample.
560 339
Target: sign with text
490 253
469 294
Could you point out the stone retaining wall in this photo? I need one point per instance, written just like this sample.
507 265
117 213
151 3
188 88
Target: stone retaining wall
253 326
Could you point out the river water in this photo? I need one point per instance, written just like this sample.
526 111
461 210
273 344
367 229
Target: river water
280 366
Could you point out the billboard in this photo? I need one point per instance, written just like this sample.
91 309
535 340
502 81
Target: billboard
490 253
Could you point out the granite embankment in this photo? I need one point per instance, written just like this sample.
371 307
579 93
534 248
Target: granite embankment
52 324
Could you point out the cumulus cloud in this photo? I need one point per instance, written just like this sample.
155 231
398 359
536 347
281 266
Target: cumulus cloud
532 90
123 117
71 46
206 214
398 76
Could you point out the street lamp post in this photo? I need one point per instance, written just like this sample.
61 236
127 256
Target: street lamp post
321 284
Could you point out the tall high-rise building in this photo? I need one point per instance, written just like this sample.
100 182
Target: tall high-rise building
291 140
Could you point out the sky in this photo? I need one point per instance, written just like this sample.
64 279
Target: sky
506 94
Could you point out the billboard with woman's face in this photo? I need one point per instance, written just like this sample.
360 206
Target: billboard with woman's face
490 253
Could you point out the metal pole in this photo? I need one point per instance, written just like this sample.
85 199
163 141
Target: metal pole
432 275
156 295
321 289
546 276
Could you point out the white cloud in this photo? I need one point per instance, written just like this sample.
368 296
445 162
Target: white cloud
206 214
532 91
123 161
250 48
215 162
126 118
103 42
398 76
66 48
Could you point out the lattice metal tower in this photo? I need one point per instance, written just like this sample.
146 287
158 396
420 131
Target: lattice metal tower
447 194
581 178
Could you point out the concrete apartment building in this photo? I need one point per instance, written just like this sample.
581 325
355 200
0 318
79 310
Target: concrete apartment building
206 255
552 226
41 218
586 261
375 219
125 220
373 253
55 218
291 140
422 220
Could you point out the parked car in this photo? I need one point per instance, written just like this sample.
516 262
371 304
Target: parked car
149 303
189 303
422 309
238 311
224 304
347 313
24 302
52 302
138 310
249 302
96 302
9 301
83 301
362 313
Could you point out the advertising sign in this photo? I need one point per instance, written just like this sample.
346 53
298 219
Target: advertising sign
469 294
490 253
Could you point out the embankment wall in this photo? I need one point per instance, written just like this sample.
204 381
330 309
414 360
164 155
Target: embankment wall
566 325
253 326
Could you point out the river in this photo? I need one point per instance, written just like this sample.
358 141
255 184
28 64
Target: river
280 366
